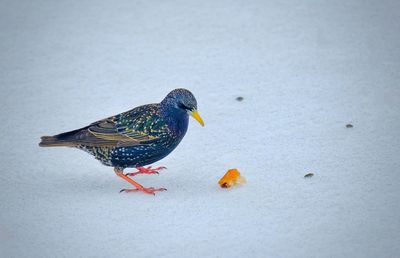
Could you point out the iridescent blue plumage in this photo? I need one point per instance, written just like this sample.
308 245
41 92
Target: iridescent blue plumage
135 138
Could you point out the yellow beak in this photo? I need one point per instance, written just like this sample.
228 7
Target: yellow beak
197 116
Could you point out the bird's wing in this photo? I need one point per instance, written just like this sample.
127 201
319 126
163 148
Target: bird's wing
141 125
107 132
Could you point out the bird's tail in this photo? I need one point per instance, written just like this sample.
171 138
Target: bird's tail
60 140
52 141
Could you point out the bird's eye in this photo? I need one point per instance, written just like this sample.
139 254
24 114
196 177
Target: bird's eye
183 106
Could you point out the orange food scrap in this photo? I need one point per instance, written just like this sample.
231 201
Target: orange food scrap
232 177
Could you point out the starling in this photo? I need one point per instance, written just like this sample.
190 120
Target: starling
135 138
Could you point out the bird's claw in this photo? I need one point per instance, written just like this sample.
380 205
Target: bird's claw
143 170
150 190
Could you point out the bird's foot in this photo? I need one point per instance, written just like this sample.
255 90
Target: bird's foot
150 190
139 188
148 170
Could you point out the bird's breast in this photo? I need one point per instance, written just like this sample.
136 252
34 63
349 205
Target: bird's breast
178 127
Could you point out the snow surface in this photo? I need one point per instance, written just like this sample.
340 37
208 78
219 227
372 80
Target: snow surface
304 68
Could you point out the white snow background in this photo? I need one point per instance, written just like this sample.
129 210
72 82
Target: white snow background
304 68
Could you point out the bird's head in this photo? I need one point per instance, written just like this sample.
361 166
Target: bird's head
183 101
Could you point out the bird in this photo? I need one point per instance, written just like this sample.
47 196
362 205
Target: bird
135 138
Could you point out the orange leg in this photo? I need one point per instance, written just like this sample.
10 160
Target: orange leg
139 187
143 170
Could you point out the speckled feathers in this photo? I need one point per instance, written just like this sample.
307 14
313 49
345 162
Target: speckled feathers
134 138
